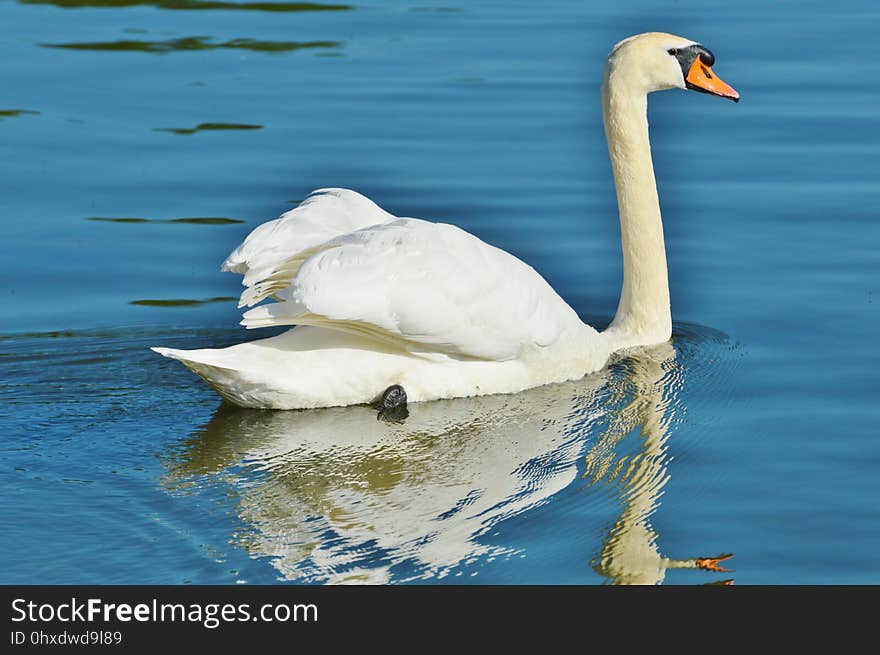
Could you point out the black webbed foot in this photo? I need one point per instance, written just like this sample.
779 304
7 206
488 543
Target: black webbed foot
392 405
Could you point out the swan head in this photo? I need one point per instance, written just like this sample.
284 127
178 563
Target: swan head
655 61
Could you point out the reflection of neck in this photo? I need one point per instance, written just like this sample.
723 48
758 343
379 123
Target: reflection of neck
630 554
643 314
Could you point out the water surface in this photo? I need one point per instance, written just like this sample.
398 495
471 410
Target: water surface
141 140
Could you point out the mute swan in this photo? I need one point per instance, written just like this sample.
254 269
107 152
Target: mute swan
382 302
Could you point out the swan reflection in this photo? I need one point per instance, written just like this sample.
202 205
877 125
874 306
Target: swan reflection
630 554
335 495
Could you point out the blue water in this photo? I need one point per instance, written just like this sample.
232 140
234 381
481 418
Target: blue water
755 433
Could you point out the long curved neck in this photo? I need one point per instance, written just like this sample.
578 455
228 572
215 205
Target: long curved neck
643 315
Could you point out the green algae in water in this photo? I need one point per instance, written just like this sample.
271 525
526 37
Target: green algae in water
208 127
191 5
122 220
180 302
192 43
11 113
207 220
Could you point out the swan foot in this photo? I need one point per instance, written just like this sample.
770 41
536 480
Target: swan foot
392 405
713 563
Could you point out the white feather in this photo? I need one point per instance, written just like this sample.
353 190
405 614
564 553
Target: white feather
266 256
430 286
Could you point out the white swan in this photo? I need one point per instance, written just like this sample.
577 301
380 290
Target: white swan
382 301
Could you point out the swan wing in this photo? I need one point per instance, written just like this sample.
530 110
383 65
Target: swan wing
267 257
425 287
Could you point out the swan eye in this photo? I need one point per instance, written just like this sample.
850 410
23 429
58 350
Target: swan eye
673 51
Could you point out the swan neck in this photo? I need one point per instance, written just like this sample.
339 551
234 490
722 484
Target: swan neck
643 315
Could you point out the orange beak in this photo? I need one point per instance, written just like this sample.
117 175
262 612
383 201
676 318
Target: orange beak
701 78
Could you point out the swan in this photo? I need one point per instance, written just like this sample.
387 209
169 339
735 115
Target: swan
400 309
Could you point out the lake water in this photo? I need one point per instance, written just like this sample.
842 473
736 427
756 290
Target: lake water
140 140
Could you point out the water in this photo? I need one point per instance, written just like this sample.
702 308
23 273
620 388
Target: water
140 140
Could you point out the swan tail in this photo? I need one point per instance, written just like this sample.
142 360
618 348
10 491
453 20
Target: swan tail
225 378
195 356
297 369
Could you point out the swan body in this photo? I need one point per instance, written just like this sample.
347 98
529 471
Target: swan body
403 301
378 300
